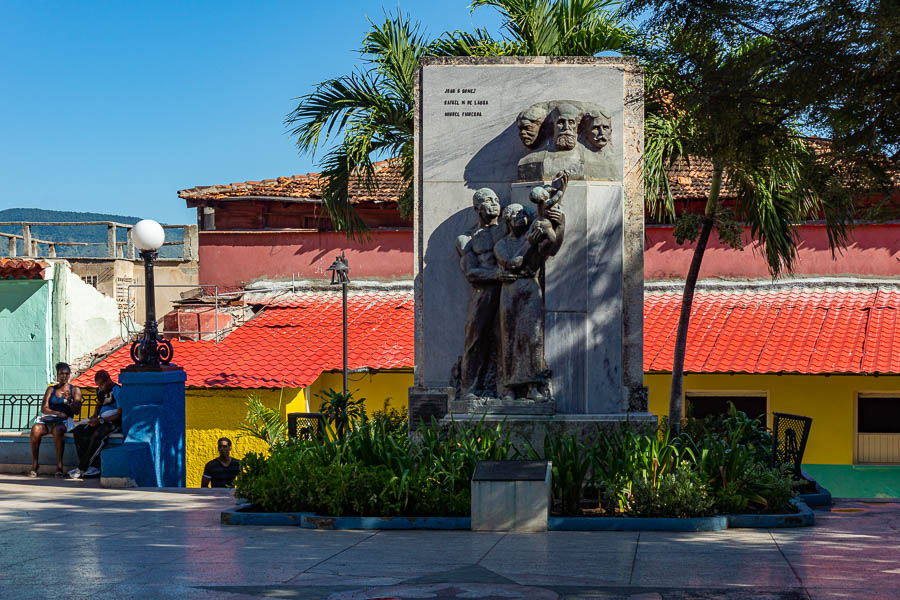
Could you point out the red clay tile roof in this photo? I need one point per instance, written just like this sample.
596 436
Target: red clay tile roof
686 181
21 268
308 187
291 342
793 330
797 330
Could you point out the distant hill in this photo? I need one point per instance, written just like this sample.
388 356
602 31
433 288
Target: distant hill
75 233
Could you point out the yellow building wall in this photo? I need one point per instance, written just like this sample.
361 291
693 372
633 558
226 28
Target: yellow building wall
211 413
829 400
375 387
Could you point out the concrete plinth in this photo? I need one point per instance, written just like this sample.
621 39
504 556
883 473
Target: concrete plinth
153 454
511 495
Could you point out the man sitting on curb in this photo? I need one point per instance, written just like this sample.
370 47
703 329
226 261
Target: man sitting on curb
221 471
91 437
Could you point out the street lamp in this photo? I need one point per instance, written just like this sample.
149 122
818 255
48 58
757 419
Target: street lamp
340 274
150 350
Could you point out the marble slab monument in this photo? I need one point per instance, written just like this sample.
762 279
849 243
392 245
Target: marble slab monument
529 236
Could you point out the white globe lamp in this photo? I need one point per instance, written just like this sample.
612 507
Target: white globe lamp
148 235
150 350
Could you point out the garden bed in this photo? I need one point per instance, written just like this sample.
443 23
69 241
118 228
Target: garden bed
244 515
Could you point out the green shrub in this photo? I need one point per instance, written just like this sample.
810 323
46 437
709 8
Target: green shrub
393 419
374 470
262 422
340 411
735 425
678 493
571 462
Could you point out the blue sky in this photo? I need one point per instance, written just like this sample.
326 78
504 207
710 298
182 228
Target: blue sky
114 106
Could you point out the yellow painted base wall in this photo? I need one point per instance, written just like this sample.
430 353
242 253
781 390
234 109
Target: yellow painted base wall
375 388
829 400
211 413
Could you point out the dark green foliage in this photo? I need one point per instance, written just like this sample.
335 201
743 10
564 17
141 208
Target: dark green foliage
374 470
838 62
340 411
680 493
746 431
571 463
262 422
394 420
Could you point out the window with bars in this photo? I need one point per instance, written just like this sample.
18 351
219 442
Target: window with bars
703 405
90 280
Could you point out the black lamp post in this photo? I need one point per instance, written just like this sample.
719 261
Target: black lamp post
150 350
340 274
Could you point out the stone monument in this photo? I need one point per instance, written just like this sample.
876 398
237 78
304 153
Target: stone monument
529 241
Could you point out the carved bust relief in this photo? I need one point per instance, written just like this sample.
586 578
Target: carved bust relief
565 135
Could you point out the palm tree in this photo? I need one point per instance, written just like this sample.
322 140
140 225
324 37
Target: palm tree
727 105
371 110
544 28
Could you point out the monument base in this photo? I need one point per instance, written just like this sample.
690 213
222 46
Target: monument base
498 406
530 430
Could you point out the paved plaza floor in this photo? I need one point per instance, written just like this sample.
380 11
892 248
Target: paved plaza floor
61 539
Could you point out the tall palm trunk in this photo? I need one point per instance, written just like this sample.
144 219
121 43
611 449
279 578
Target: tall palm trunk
684 319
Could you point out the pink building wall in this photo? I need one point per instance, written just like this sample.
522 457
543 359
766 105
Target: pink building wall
232 259
873 251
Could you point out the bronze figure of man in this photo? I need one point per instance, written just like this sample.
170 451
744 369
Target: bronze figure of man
478 371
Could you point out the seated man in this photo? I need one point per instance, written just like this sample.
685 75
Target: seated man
221 471
91 437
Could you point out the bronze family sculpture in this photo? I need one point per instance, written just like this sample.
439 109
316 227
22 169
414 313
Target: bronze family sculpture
503 256
504 348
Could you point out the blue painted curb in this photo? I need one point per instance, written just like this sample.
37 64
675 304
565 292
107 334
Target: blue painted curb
238 516
805 518
311 521
821 497
715 523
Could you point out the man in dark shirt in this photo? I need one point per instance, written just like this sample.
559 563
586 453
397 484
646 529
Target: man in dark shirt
90 437
221 471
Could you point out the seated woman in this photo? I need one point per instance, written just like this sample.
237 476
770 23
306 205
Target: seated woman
61 401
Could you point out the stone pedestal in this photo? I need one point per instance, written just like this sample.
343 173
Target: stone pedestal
511 495
153 454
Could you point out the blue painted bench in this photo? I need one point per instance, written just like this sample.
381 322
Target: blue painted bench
15 452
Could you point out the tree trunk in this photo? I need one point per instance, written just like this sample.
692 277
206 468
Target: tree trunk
687 301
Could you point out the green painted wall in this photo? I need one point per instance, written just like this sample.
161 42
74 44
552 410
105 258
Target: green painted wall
25 340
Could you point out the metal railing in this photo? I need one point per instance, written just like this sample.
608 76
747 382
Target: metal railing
31 245
134 328
18 411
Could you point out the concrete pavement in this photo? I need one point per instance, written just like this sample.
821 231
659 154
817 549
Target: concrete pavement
74 540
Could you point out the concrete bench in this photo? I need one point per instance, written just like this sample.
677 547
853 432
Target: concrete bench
15 452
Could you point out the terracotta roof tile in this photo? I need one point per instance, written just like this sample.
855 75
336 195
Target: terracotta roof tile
309 186
797 330
22 268
291 342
